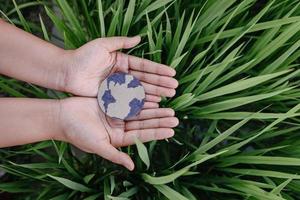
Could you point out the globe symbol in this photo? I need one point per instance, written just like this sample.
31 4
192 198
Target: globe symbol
121 96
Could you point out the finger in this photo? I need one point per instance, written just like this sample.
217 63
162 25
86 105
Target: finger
109 152
149 105
144 65
152 98
157 90
116 43
155 79
154 113
166 122
146 135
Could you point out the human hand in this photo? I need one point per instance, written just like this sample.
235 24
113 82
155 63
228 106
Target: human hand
86 126
87 66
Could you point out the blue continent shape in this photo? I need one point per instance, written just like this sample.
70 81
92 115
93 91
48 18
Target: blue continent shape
134 83
116 78
135 106
107 98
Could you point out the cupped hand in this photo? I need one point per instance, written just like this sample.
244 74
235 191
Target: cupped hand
90 64
86 126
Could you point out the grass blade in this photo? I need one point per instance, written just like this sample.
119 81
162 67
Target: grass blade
71 184
142 151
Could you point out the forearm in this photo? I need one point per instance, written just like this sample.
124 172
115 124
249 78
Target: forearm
28 58
24 121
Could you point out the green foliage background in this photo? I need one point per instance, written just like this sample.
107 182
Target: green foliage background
238 102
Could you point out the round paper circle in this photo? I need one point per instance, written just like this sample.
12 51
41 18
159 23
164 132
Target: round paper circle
121 96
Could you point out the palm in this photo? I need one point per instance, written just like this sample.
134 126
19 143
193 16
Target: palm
88 128
94 61
92 65
115 130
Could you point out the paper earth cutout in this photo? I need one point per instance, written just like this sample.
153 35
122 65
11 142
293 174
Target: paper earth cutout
121 96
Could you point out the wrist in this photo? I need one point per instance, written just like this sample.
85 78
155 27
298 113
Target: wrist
62 70
56 120
63 117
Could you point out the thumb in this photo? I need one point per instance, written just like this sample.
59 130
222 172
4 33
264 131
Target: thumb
116 43
109 152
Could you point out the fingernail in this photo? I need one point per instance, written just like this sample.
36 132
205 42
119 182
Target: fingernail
174 72
173 93
136 37
177 122
171 133
176 84
172 112
130 166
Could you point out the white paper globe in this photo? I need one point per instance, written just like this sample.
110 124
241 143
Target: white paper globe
121 96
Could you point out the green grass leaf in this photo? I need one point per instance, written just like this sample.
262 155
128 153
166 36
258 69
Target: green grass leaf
142 151
280 187
233 103
258 172
171 177
254 191
169 192
112 31
216 72
71 184
101 18
70 16
46 36
10 90
62 28
239 86
22 19
262 160
152 7
128 17
204 148
257 27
